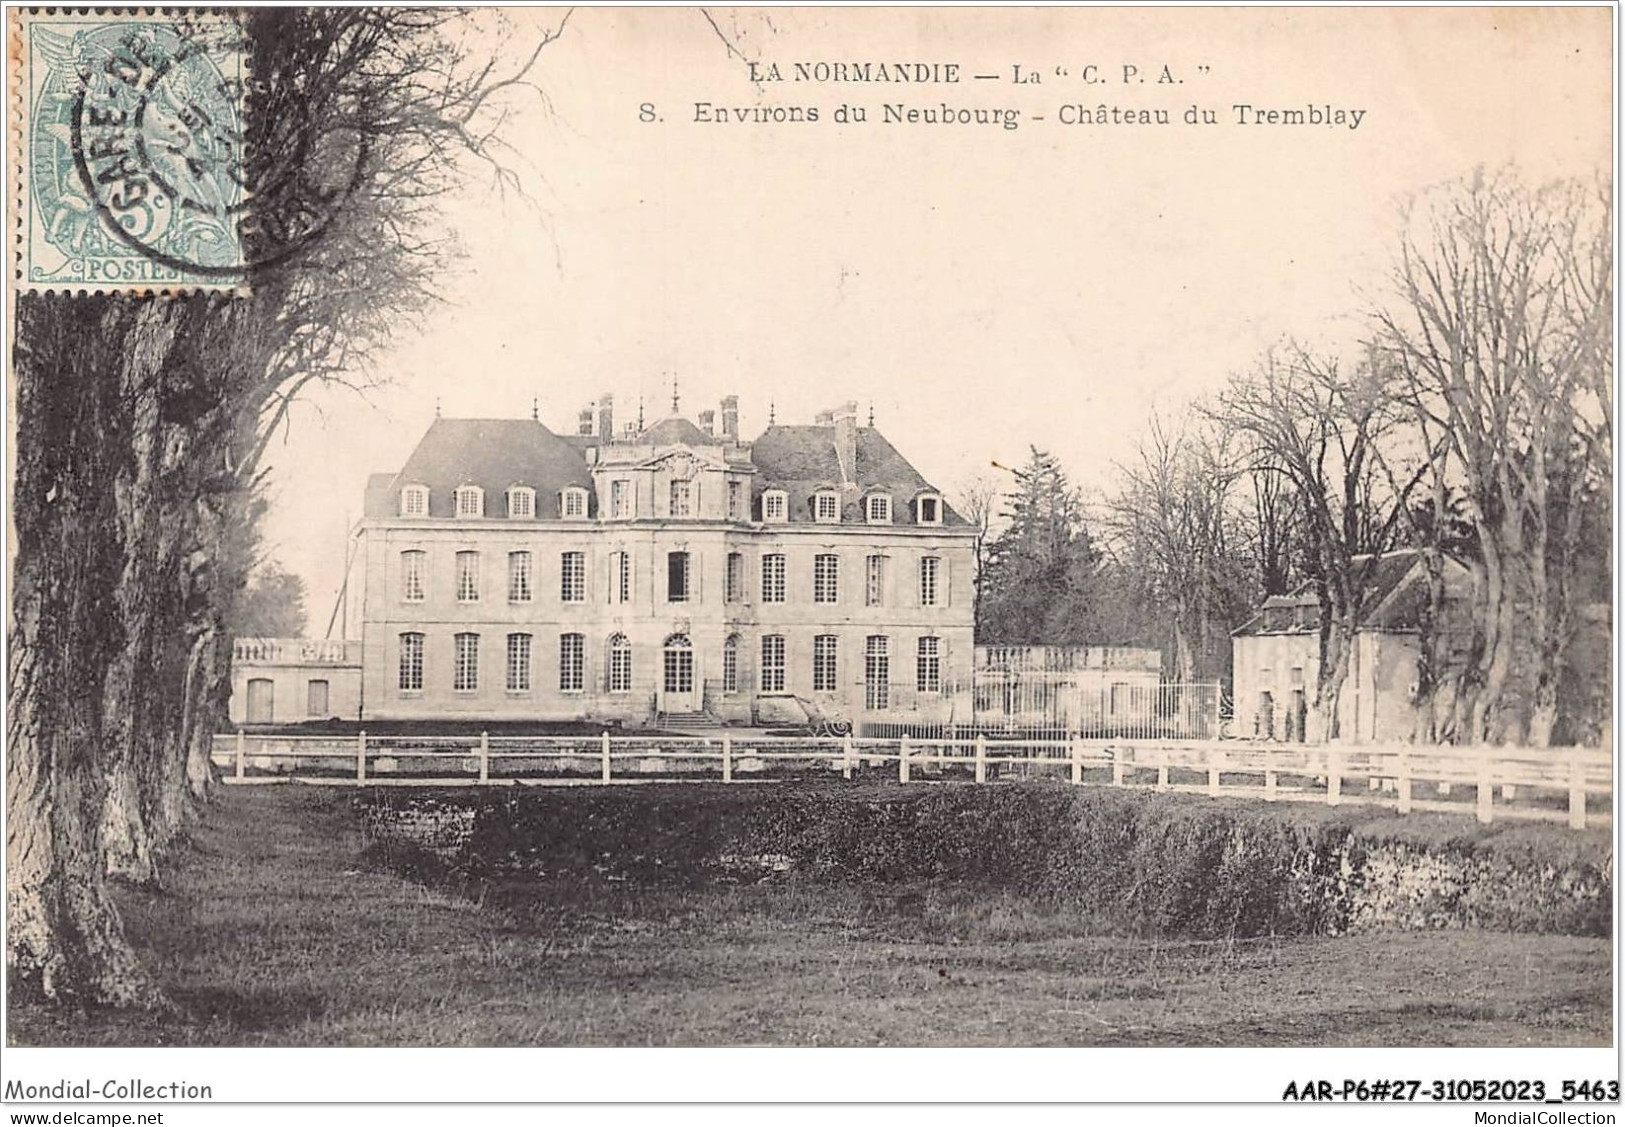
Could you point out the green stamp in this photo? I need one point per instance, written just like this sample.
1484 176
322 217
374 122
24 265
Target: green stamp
132 174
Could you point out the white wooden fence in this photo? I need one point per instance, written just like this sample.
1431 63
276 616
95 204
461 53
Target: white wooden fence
1533 782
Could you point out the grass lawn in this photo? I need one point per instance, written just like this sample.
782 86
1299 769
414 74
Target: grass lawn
271 930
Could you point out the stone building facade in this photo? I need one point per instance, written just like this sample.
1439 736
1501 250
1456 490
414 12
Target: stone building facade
669 572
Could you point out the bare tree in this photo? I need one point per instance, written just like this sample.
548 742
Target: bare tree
977 499
1501 330
1176 539
1318 426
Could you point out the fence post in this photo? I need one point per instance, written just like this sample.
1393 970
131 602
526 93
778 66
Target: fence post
603 757
1118 767
1162 775
1404 773
361 757
902 759
727 758
1577 793
242 748
1075 748
1270 776
1334 777
1486 789
485 758
1213 771
846 756
981 757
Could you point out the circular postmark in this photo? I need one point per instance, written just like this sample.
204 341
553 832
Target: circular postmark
157 141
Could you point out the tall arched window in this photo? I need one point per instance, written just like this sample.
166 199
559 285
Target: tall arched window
620 664
730 664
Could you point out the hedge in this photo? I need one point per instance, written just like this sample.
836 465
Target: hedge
1136 862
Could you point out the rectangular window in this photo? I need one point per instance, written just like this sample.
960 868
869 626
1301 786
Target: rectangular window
521 503
824 673
677 576
879 509
930 510
877 673
736 500
826 508
620 577
575 503
411 678
470 501
465 673
316 698
929 567
573 577
413 565
620 664
680 499
414 502
519 577
519 663
620 499
874 581
468 577
572 663
928 666
773 578
772 663
736 578
826 578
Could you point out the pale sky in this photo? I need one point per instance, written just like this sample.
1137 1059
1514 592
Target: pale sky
985 289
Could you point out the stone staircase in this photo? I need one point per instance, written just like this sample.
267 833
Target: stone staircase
678 720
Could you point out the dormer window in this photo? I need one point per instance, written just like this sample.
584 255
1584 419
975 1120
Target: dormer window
826 507
470 501
929 508
415 501
521 502
775 506
573 503
877 508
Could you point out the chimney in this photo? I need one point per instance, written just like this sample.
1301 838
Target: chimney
824 419
708 422
584 420
730 417
606 417
846 441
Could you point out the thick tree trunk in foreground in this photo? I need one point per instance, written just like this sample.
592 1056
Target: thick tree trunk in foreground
64 939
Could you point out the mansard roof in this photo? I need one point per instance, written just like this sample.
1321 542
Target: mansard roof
801 460
493 454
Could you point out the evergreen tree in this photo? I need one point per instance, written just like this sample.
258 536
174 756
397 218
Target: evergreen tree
1043 571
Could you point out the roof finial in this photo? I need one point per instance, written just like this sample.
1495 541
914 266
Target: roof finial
437 406
871 414
536 409
674 393
771 413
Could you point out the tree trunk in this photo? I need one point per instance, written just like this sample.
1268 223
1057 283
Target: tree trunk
65 941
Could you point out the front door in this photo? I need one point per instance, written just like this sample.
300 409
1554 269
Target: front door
260 700
677 685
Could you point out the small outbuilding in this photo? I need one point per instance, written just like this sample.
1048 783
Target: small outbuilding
1277 654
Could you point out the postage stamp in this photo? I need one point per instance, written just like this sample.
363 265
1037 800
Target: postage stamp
131 170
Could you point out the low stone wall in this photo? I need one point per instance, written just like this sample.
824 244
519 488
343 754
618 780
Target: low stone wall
1134 862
